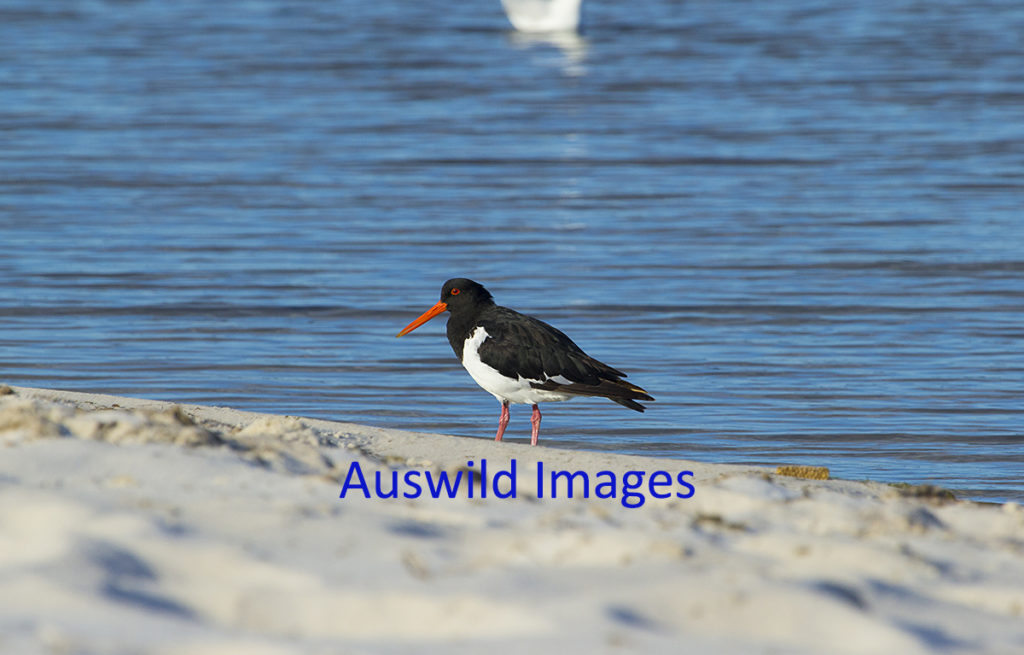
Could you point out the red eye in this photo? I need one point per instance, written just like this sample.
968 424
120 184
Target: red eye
455 292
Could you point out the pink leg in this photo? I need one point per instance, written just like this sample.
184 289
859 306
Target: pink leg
535 420
503 420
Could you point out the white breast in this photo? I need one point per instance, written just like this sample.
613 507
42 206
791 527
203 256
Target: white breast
543 15
514 390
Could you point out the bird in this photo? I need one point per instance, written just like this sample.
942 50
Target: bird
520 359
543 15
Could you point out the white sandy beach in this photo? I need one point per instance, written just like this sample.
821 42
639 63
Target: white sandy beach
134 526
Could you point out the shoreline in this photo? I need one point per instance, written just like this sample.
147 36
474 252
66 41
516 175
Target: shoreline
427 448
449 452
209 529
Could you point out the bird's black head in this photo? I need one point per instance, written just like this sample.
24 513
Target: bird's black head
462 297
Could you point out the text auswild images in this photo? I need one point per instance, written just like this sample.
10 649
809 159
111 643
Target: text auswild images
628 487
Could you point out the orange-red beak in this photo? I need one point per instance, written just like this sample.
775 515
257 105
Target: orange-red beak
427 315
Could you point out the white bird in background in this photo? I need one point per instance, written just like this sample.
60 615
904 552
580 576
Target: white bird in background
543 15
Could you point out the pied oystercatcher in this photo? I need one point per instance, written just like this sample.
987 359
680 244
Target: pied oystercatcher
519 359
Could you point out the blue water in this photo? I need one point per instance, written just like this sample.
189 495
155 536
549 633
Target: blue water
798 224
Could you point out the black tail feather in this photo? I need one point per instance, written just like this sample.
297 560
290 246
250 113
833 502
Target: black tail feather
618 391
632 404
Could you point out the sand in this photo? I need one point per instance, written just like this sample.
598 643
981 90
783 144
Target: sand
136 526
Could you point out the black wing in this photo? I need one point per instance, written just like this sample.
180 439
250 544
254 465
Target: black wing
520 345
